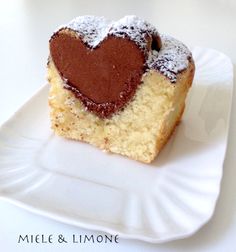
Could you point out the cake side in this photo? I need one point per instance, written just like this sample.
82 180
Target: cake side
139 131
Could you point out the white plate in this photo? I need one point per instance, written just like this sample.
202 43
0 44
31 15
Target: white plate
78 184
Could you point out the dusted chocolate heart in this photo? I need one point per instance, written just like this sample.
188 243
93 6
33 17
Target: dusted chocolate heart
105 77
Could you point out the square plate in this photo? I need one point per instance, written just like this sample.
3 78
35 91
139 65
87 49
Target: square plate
76 183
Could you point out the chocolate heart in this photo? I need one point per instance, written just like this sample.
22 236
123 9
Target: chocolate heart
104 78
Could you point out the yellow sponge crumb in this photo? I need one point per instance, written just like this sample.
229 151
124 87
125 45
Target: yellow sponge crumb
139 131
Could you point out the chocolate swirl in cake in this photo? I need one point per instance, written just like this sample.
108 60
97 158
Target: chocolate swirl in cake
103 62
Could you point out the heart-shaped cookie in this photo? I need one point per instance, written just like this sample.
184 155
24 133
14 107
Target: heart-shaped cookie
102 64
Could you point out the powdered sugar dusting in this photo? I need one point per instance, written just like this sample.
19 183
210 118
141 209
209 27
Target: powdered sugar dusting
91 29
137 29
171 59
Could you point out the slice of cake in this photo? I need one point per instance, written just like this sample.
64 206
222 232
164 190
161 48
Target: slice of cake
120 86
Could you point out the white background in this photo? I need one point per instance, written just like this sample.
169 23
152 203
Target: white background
25 27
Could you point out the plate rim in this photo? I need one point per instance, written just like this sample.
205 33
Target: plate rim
91 226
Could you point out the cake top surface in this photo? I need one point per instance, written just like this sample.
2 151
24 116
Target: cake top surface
170 59
93 30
